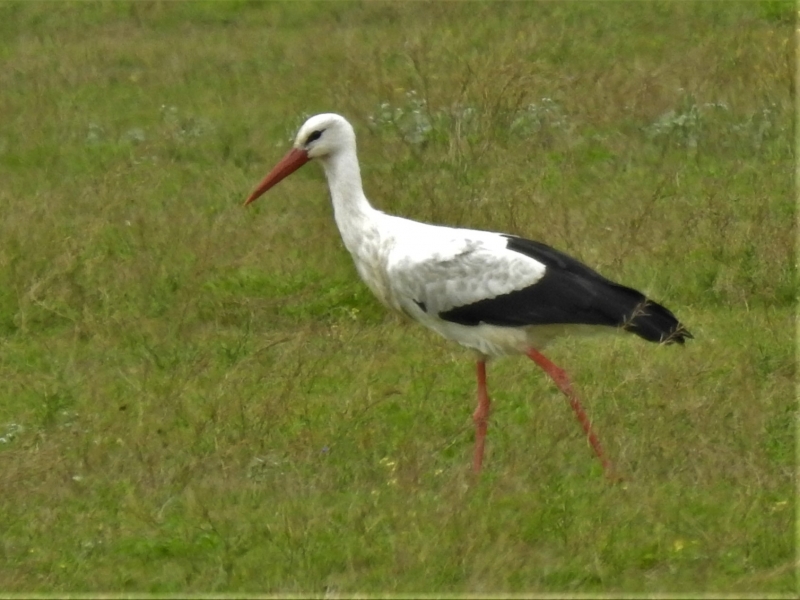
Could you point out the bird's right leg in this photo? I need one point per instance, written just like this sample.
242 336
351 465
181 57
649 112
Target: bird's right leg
481 416
559 376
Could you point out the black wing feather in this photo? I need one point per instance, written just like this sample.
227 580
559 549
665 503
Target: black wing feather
571 293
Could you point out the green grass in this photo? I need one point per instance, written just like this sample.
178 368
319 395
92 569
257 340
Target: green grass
198 397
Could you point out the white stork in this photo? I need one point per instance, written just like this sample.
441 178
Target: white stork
495 293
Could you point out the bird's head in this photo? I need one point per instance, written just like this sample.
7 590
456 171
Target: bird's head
321 136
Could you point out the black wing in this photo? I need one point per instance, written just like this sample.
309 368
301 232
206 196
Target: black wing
571 293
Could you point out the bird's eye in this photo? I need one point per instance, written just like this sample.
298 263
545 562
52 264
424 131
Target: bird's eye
313 137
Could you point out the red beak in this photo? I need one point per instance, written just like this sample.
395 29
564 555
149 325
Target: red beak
293 160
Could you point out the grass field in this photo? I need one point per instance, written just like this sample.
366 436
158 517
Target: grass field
198 397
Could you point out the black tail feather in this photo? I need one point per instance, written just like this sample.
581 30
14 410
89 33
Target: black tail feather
654 322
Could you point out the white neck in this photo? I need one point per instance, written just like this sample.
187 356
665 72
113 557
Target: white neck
364 230
354 215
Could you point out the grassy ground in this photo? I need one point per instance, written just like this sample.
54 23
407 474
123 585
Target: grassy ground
198 397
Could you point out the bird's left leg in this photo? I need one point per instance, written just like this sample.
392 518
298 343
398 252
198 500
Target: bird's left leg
481 415
559 376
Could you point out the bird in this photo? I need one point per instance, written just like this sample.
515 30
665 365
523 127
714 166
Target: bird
497 294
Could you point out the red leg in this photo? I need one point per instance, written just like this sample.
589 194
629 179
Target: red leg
480 416
560 378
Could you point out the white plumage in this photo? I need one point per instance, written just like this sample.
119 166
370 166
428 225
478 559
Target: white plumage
448 268
494 293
